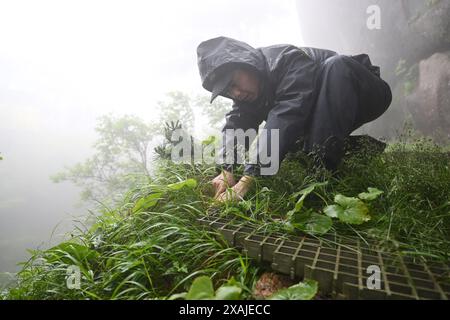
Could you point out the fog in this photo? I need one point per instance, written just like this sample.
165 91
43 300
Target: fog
65 63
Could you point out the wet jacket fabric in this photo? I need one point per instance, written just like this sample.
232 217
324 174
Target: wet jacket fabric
290 76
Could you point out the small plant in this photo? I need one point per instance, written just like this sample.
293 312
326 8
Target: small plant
309 221
350 209
347 209
202 289
305 290
157 193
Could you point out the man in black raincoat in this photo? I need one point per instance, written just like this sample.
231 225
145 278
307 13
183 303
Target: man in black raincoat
311 94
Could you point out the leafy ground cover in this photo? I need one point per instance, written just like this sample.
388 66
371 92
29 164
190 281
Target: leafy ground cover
152 247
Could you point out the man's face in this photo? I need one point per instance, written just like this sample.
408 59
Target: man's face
244 86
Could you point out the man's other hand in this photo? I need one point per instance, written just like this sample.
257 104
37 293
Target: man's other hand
223 181
237 192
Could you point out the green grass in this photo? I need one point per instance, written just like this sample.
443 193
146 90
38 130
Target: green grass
412 215
146 255
158 252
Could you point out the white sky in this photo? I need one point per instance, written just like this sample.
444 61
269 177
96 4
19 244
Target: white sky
68 60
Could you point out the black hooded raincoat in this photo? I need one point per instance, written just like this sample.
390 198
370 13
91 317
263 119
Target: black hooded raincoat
291 78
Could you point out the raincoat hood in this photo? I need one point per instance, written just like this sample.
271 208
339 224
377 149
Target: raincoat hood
218 54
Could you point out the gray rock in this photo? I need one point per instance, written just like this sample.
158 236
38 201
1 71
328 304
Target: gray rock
429 103
434 24
411 31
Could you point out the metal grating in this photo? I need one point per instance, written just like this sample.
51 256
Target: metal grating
340 265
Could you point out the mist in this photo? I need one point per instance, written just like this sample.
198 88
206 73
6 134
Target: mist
64 64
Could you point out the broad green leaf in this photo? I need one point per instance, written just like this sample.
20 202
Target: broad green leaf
191 183
372 194
356 214
344 201
67 252
352 210
209 140
299 204
178 296
227 292
147 202
308 189
312 222
201 289
305 290
152 199
304 193
333 211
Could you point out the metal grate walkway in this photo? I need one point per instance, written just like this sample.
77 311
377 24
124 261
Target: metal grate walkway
342 266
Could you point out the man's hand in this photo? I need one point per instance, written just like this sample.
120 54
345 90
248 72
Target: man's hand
223 181
238 191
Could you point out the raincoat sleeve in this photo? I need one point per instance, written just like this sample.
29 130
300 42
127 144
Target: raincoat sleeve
294 100
239 117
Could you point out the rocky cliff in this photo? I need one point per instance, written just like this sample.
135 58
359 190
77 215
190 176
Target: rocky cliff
408 39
